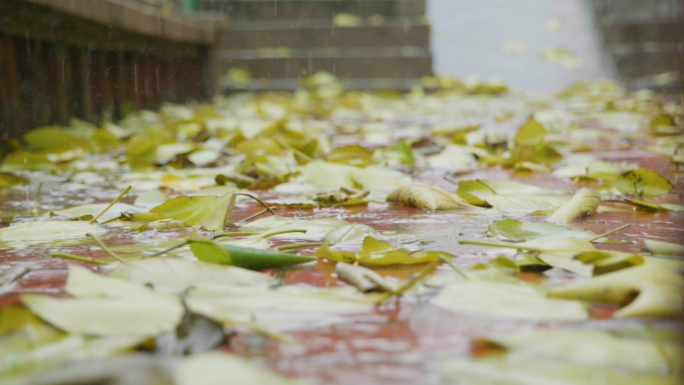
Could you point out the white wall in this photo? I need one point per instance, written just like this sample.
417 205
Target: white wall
468 38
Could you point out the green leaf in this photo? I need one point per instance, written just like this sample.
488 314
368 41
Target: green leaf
179 274
8 180
426 197
150 199
26 161
511 197
374 252
643 182
531 131
211 212
585 202
501 300
658 284
221 368
253 259
657 206
517 231
107 307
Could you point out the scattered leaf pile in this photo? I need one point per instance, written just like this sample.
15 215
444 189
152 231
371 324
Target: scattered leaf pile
273 215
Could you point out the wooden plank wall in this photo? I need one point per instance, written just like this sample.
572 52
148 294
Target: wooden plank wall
54 66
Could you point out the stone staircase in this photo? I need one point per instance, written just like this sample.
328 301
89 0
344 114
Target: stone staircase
368 44
644 37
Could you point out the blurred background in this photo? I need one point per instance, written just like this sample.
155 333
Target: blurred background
101 58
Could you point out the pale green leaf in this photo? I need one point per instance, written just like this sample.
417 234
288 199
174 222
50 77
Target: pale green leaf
643 182
426 197
585 202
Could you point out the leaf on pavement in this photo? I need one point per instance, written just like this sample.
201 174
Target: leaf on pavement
664 248
585 202
643 182
517 231
426 197
249 258
658 285
212 212
107 307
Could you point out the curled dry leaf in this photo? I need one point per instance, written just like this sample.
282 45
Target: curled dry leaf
585 202
658 285
362 278
426 197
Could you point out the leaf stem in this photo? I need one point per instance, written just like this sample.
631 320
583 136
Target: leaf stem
297 246
408 284
260 213
78 258
105 248
504 245
258 200
124 192
234 234
610 232
34 210
297 152
178 246
486 185
457 269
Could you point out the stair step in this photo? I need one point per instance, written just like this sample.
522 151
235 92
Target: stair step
401 67
320 53
648 63
669 31
381 36
312 9
349 84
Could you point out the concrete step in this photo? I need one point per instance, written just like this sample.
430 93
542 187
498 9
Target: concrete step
637 64
381 36
655 31
320 53
400 67
312 9
375 84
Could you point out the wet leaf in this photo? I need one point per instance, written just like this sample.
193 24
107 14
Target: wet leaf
362 278
333 176
26 161
598 348
643 182
314 228
176 274
585 202
531 132
150 199
47 231
351 233
253 259
664 248
107 307
374 252
657 206
501 300
8 180
212 212
221 368
426 197
517 231
658 285
90 211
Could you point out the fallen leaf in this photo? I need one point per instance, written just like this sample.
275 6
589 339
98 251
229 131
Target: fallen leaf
517 231
47 231
643 182
585 202
106 307
501 300
426 197
249 258
531 132
362 278
177 274
658 285
211 212
664 248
